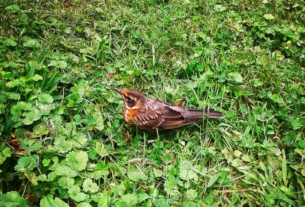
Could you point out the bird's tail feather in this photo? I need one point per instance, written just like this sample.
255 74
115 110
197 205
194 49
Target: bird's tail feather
197 113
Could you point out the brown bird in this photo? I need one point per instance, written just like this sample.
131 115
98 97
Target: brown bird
149 114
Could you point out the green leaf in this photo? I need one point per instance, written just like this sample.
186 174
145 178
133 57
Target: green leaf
2 108
17 109
32 43
130 199
89 186
13 8
212 180
37 77
76 194
235 76
185 171
45 98
48 201
30 145
31 176
209 200
277 98
62 64
301 144
103 167
65 171
12 95
13 83
77 160
189 204
136 175
9 42
268 16
5 153
104 202
142 197
25 162
191 193
41 129
66 182
10 199
30 117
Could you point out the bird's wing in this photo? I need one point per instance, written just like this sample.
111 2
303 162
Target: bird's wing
150 116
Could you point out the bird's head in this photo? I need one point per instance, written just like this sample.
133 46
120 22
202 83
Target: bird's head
132 98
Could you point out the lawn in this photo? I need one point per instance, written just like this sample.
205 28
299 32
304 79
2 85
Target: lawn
63 139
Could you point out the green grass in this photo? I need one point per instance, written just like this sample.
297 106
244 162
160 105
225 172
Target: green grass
59 61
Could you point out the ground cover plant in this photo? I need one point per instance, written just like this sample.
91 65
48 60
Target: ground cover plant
63 140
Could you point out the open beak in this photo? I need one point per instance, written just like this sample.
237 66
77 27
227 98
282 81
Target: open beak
117 90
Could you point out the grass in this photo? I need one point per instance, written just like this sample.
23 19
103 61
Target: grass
60 59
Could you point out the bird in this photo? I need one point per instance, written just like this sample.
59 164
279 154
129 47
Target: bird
150 115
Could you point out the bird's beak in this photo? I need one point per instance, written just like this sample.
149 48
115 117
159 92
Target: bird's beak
117 90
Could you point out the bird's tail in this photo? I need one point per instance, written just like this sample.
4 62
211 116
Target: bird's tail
197 113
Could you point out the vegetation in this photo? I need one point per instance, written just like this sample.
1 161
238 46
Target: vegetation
60 59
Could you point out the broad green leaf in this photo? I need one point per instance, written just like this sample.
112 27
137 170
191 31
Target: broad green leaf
191 193
45 98
77 160
37 77
89 186
99 148
79 140
84 205
103 167
12 95
268 16
130 199
142 197
136 175
30 117
31 176
301 144
76 194
61 145
65 171
62 64
2 108
25 162
48 201
104 202
185 171
10 42
10 199
33 43
66 182
189 204
212 180
5 153
235 76
13 83
13 8
30 145
171 188
209 200
17 109
277 98
41 129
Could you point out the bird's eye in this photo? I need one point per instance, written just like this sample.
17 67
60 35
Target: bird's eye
128 99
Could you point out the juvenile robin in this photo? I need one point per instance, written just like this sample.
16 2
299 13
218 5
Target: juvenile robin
149 114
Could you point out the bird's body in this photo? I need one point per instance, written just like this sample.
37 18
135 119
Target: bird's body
149 114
